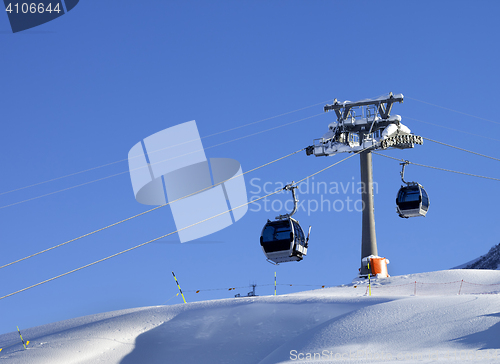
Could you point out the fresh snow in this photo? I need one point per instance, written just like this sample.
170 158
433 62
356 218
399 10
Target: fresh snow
337 324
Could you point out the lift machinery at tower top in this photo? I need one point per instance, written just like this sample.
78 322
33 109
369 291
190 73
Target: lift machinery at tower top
363 126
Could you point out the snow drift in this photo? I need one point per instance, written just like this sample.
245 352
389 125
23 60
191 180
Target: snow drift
337 324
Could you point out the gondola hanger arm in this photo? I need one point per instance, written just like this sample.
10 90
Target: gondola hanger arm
290 187
402 173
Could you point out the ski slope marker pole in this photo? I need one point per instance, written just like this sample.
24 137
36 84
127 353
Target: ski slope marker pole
369 281
178 286
275 283
27 343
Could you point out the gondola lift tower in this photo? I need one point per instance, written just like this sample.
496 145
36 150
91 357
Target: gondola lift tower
364 126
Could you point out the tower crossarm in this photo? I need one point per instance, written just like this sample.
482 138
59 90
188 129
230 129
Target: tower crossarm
383 103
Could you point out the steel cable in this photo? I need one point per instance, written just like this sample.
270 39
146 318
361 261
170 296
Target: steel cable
163 236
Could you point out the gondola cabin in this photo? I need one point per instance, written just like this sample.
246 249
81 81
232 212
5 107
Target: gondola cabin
412 201
283 241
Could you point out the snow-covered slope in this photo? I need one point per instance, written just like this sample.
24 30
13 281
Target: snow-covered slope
338 324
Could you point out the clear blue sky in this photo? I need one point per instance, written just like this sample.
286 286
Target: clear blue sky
80 91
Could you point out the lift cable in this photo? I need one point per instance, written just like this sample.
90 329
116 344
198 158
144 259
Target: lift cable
447 127
257 285
128 171
145 212
441 169
221 132
124 160
459 112
462 149
163 236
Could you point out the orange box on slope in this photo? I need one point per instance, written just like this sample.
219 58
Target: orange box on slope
379 266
